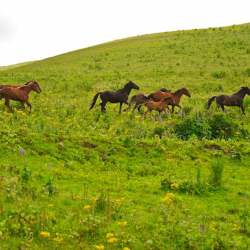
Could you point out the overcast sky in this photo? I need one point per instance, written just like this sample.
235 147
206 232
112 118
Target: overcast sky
37 29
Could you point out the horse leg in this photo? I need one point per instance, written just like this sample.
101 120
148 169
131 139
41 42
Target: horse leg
145 114
167 112
243 109
136 106
160 117
29 105
139 108
103 106
120 107
7 103
222 106
172 109
22 105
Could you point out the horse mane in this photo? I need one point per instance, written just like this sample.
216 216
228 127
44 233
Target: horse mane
123 89
177 91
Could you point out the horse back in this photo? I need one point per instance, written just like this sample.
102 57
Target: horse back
13 94
158 96
114 96
229 100
159 106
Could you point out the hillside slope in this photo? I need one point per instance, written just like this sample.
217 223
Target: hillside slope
78 178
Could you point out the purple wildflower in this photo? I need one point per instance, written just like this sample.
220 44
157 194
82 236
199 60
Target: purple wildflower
22 152
202 230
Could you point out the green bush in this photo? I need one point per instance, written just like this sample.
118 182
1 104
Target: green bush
222 126
193 125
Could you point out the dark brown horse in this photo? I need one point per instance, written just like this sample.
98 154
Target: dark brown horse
140 99
13 86
20 94
159 95
235 99
120 96
159 106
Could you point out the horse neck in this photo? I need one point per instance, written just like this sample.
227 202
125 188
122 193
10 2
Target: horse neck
127 90
27 88
241 93
179 93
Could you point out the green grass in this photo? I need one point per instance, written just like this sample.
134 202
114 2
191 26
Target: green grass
89 180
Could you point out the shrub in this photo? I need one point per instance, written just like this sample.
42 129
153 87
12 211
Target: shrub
222 126
193 125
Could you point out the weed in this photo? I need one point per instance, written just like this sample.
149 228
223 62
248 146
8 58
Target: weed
217 167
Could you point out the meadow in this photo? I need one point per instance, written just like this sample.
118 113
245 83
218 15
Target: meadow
74 178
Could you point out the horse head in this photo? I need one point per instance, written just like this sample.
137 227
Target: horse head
132 85
36 87
246 89
186 92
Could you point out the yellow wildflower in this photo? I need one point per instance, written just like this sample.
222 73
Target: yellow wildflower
100 247
58 239
109 235
174 185
45 234
126 248
112 240
122 223
168 198
86 207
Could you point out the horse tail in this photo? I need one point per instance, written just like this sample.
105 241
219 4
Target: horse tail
94 100
131 100
210 101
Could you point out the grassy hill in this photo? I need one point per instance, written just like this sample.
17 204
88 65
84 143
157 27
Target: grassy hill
80 179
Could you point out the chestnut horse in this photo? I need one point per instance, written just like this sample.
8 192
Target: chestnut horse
159 106
140 99
120 96
158 95
13 86
20 94
235 99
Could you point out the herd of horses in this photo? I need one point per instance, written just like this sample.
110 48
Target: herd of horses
159 100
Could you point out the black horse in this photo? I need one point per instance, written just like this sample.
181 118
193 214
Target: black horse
235 99
120 96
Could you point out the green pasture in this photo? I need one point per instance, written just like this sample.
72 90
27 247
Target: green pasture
74 178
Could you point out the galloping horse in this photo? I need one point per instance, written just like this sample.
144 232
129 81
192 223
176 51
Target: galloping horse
158 95
120 96
20 94
140 99
235 99
159 106
13 86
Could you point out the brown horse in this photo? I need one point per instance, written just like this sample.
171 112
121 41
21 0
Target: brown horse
159 106
20 94
140 99
235 99
14 86
158 95
120 96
